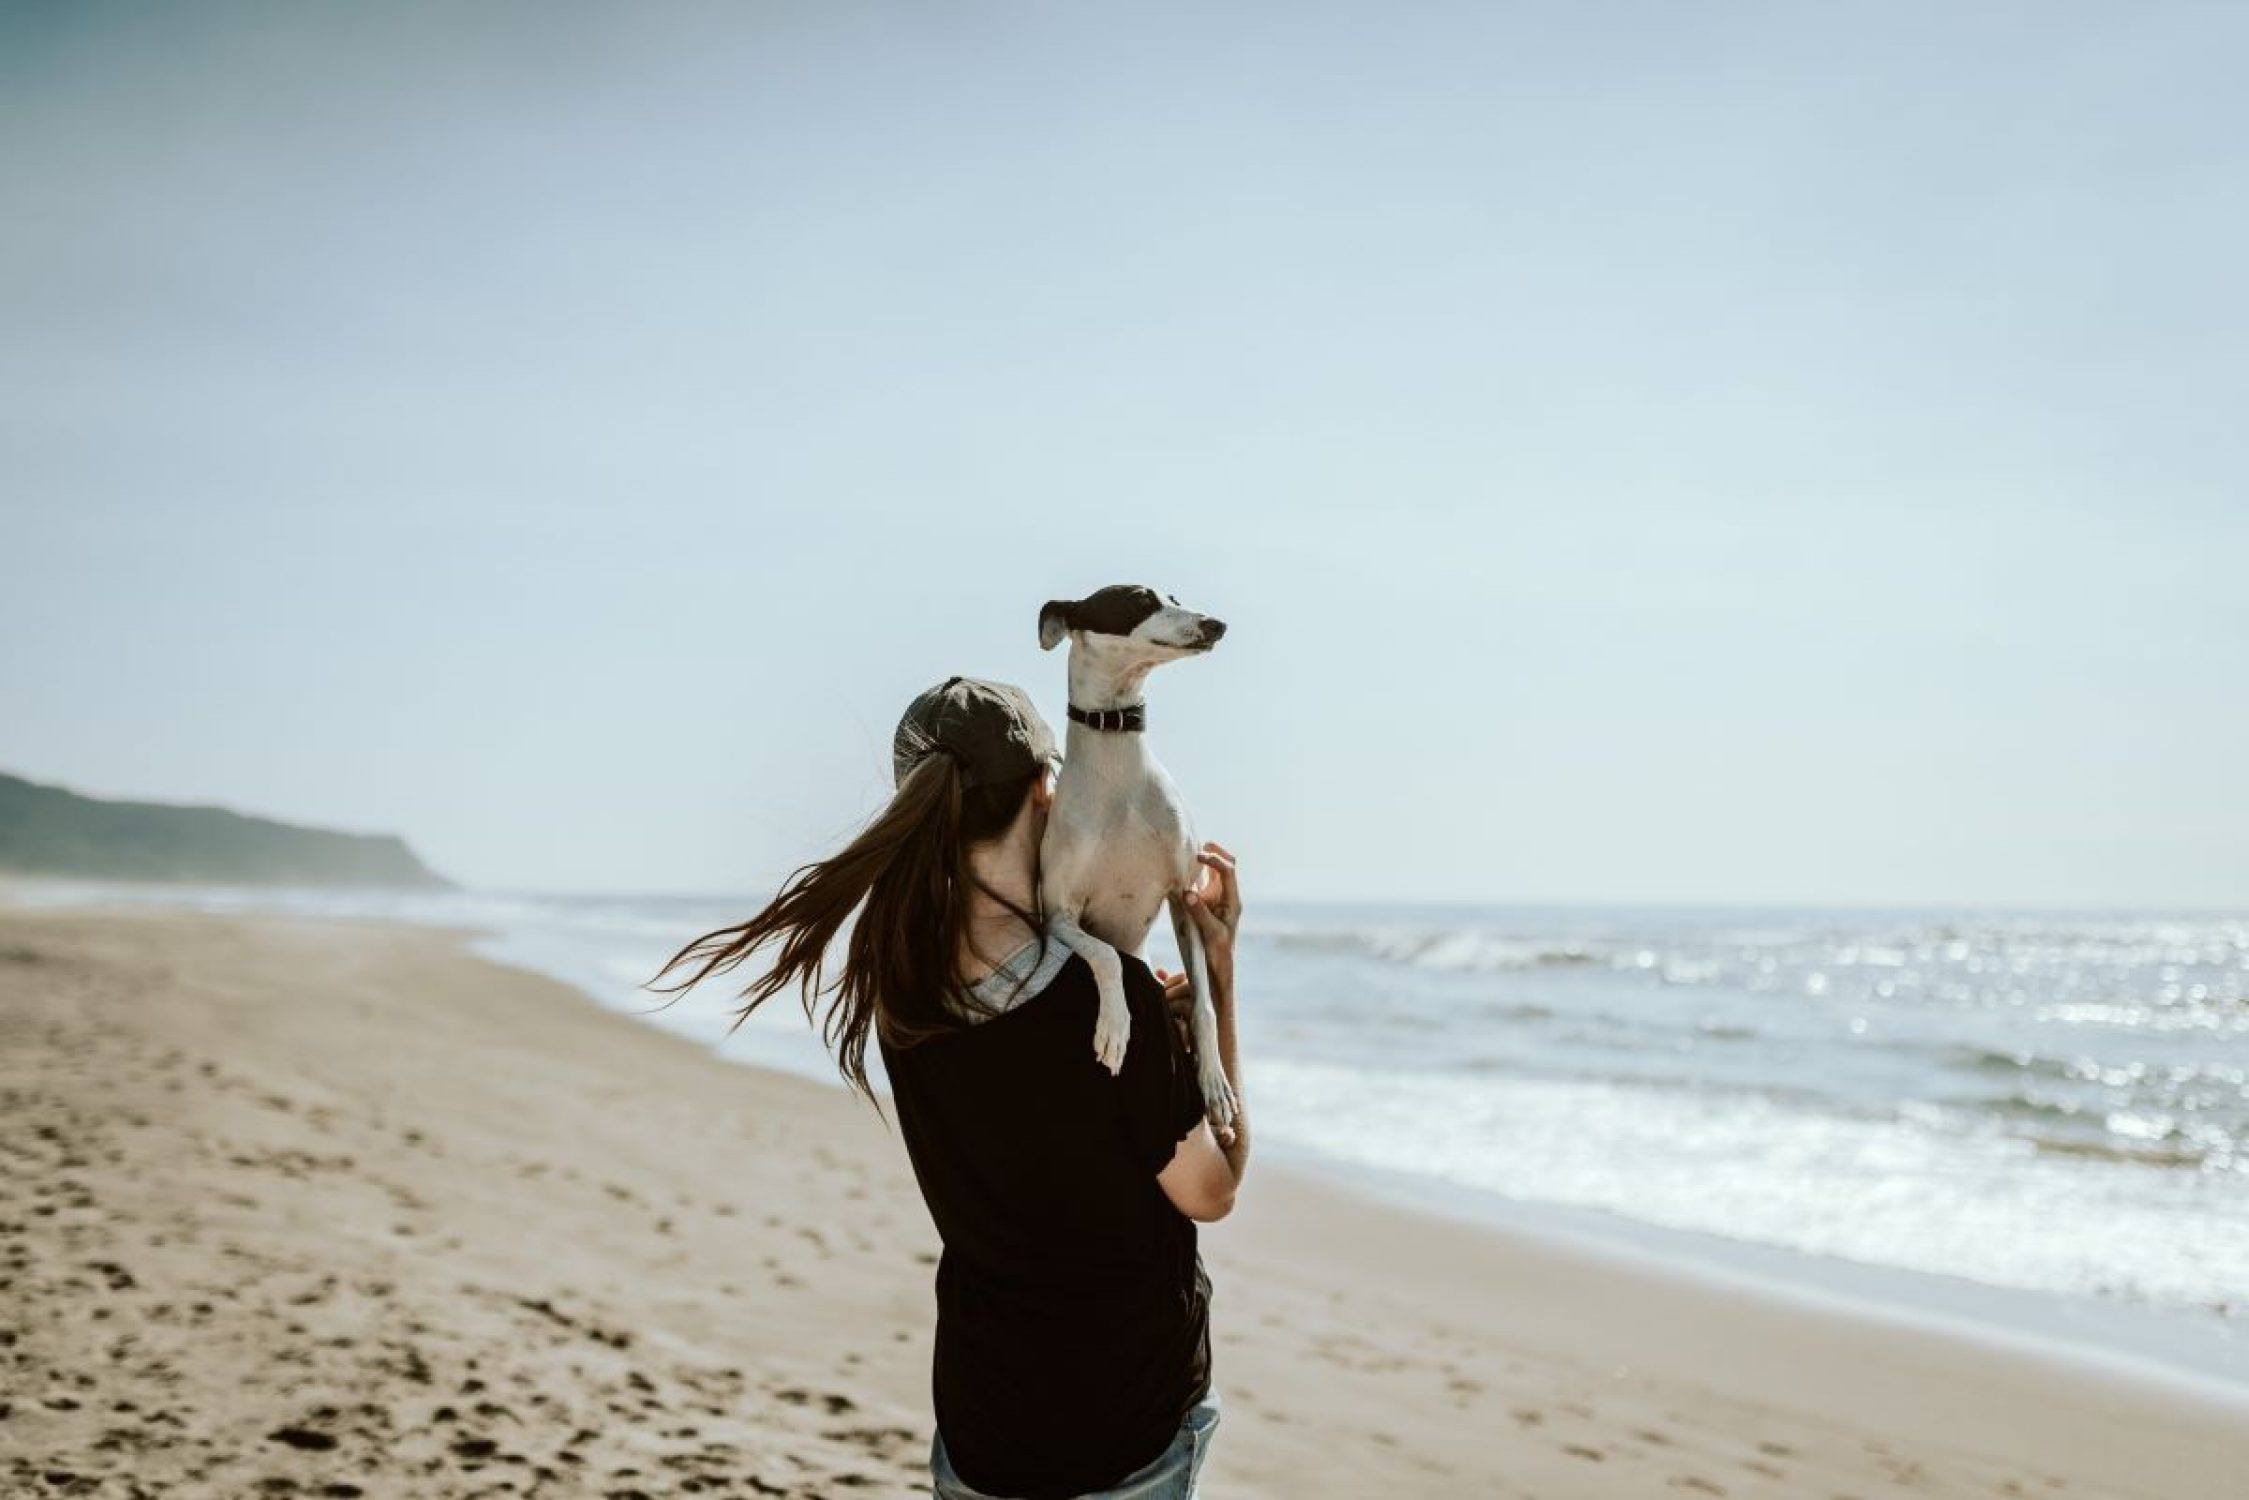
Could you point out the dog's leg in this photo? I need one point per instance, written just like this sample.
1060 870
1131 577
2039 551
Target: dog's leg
1112 1028
1202 1019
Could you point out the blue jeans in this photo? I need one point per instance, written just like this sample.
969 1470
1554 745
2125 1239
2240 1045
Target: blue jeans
1171 1476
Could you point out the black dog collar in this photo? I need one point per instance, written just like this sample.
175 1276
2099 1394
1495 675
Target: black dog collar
1132 716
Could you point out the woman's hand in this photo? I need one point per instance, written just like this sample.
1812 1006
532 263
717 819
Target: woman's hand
1214 905
1214 901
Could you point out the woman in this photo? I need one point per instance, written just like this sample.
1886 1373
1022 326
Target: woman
1073 1332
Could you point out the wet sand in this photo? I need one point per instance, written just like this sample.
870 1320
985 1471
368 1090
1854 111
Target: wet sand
310 1208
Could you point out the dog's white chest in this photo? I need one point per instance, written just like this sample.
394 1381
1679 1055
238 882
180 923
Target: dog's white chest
1113 852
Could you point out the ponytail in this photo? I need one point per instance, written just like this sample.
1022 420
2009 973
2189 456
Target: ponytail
908 868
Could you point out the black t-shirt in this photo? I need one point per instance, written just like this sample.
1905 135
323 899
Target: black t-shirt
1073 1313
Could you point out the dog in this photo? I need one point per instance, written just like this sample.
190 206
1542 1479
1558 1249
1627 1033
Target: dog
1118 844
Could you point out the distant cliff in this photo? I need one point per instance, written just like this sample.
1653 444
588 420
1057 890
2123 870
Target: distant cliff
46 830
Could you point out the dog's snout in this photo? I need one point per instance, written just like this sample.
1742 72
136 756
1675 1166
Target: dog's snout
1212 630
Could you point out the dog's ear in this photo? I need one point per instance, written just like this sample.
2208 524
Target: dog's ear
1054 622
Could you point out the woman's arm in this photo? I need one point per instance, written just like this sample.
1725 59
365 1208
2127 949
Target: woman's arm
1206 1170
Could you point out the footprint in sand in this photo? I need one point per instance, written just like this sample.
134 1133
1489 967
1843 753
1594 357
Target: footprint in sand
474 1450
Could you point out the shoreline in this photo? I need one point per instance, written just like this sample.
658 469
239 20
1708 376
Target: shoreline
1432 1355
2194 1354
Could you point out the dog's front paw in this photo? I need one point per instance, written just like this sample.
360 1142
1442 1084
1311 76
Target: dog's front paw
1112 1028
1218 1093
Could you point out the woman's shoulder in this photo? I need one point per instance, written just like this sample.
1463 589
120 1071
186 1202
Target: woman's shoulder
1073 991
1045 981
1055 986
1068 972
1026 972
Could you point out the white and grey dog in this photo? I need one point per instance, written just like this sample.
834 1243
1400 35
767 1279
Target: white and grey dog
1119 844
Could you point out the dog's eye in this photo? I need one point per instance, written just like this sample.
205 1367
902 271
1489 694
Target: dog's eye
1174 598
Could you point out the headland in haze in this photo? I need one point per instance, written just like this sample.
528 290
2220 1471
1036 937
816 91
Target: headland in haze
50 831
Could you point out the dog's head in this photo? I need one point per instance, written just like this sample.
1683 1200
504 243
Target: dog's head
1130 622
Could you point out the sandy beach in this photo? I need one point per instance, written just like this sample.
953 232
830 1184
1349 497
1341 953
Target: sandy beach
317 1208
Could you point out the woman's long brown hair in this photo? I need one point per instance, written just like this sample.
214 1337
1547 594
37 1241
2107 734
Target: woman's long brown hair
901 970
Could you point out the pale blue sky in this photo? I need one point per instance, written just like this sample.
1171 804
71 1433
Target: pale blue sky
1646 452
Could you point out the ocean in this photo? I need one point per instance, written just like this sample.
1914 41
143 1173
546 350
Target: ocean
1908 1105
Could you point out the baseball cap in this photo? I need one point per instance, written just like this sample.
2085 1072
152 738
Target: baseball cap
990 728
